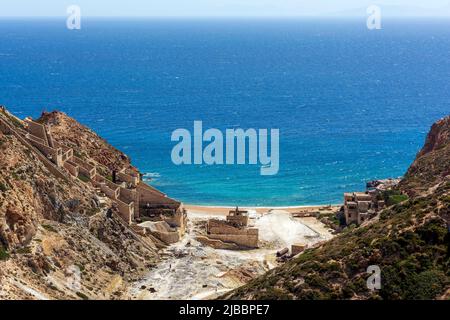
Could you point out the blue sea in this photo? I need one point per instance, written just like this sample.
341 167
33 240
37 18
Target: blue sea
351 104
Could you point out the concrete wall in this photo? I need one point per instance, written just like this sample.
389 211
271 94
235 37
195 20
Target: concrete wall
298 248
364 206
38 130
128 194
73 170
178 220
152 197
217 244
6 128
361 196
220 226
162 231
249 241
127 178
143 185
55 154
85 168
246 237
110 193
45 149
97 180
238 220
167 237
348 197
30 136
126 211
67 154
351 215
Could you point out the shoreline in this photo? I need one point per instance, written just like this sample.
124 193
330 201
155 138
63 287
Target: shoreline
190 205
224 209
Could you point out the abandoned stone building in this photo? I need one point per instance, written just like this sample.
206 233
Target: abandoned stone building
232 233
360 206
134 199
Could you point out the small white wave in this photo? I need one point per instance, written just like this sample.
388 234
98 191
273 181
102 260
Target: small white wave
151 175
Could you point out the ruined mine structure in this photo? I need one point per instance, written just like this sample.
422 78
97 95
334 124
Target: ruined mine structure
232 233
133 199
361 206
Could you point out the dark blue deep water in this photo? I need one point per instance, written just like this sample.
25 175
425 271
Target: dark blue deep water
351 104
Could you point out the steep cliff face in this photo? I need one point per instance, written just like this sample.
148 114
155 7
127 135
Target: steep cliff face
409 242
51 228
437 138
432 164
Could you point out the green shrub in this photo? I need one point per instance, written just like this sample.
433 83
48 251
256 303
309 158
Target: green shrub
78 155
93 211
433 232
397 198
23 250
425 285
392 197
83 178
82 295
446 199
81 267
49 228
4 255
3 187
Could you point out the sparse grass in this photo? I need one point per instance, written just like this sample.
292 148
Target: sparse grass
446 199
82 295
23 250
3 187
93 211
393 197
49 228
4 255
78 154
52 287
83 178
81 267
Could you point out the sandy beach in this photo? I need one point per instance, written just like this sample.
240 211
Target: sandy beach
223 210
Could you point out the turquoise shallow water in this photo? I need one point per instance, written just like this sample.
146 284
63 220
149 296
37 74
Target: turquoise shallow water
351 104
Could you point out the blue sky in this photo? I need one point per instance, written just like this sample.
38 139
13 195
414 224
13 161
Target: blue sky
227 8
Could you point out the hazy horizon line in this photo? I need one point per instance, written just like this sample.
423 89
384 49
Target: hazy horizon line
159 17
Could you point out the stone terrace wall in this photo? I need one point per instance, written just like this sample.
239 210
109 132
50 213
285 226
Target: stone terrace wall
149 195
38 130
246 237
6 128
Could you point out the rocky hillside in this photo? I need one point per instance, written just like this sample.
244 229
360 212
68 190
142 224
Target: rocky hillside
83 140
52 228
431 165
409 241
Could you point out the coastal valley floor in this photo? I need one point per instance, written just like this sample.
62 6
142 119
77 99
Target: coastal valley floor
190 270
